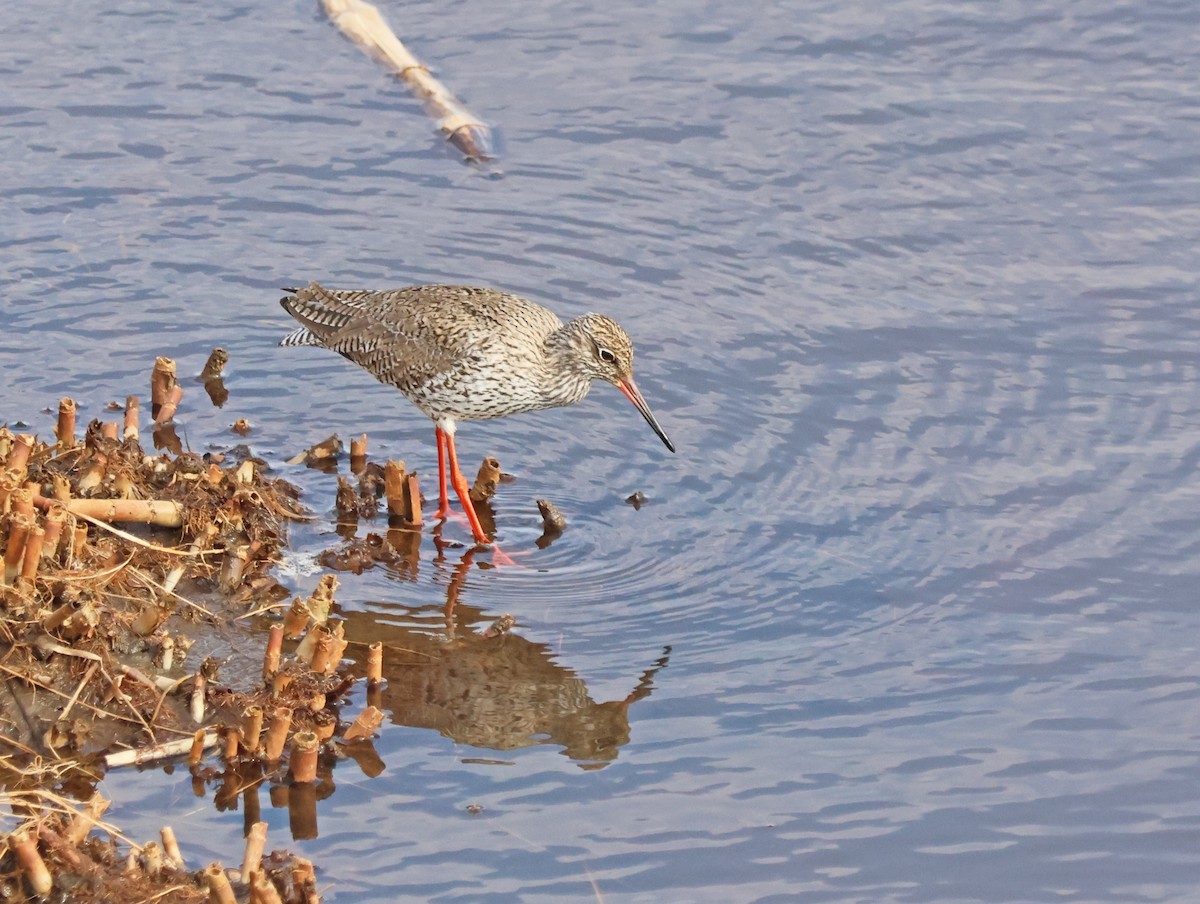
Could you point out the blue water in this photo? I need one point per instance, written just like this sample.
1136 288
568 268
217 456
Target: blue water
913 287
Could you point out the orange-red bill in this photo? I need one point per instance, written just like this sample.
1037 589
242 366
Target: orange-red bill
629 388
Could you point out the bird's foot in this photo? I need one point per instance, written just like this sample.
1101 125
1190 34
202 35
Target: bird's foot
501 559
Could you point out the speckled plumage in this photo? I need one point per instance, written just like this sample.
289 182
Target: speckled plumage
464 352
461 352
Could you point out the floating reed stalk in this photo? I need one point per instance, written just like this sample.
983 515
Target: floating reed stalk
277 730
132 412
365 725
160 512
65 431
500 626
24 846
302 765
362 23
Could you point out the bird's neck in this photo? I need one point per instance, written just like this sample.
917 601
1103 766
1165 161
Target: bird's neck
566 377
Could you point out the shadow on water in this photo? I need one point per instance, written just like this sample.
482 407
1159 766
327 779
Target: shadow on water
501 693
489 688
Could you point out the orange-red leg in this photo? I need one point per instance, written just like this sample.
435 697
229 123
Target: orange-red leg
443 511
460 487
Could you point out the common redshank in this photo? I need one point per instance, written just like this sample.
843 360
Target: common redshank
464 353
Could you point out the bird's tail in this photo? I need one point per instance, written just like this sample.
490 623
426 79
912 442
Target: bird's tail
321 312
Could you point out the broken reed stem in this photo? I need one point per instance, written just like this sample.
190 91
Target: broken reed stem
8 484
375 663
232 741
252 723
486 480
171 847
78 543
176 574
274 650
162 378
85 820
256 842
24 846
393 487
412 499
20 501
54 525
199 686
110 430
65 431
132 412
167 412
277 730
18 529
196 751
337 648
358 454
18 455
33 553
321 649
302 765
262 891
217 359
219 889
294 620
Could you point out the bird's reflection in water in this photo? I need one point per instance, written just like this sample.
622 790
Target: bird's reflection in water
501 692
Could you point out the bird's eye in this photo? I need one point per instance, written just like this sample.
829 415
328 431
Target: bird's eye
606 356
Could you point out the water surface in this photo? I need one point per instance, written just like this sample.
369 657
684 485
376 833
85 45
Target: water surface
911 615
